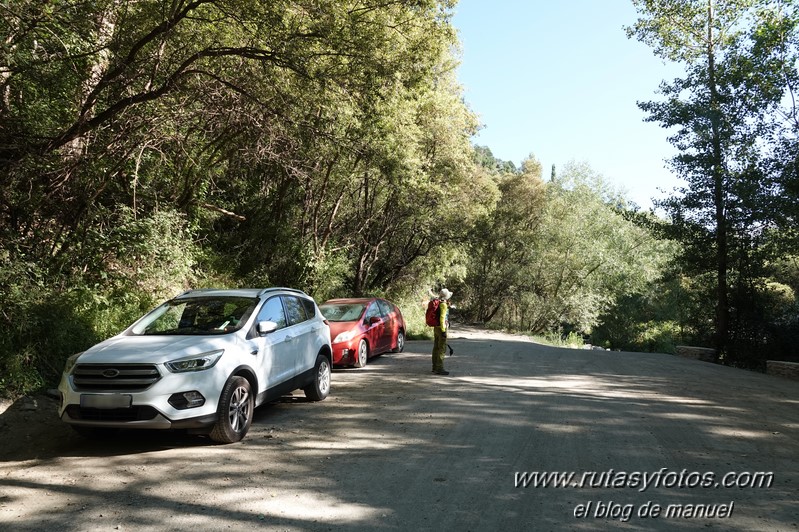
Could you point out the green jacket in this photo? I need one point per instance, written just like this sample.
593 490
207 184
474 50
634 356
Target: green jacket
443 313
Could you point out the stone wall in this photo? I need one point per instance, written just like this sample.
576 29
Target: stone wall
705 354
780 368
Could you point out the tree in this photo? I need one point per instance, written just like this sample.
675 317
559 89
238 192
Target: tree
374 174
554 255
502 240
721 111
588 254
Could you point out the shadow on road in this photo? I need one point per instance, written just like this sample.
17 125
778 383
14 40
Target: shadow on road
395 447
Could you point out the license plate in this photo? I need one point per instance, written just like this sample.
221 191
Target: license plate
105 401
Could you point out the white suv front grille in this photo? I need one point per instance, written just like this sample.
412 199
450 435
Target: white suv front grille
114 377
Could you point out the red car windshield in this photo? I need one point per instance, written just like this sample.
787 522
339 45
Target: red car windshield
343 311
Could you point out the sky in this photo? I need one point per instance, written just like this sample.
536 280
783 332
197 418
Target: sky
560 80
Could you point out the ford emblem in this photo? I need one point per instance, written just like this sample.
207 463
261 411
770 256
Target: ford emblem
110 373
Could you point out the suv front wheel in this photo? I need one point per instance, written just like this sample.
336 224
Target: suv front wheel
234 413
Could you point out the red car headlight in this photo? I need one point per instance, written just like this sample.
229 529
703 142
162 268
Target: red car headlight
346 336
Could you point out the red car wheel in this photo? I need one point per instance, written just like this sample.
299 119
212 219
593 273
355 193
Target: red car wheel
363 354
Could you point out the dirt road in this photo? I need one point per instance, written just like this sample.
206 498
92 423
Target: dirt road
396 448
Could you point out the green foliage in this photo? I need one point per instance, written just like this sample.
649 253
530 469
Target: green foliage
649 336
329 277
323 145
37 331
501 242
765 324
571 340
657 337
119 271
413 310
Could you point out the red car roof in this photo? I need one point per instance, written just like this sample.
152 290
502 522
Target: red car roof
351 300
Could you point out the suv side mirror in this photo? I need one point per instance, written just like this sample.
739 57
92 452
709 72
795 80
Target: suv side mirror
374 319
265 327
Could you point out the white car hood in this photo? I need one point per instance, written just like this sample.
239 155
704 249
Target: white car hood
153 349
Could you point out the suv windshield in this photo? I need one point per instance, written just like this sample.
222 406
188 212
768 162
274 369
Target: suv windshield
193 316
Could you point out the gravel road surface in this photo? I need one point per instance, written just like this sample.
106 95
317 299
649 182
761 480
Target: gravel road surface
657 441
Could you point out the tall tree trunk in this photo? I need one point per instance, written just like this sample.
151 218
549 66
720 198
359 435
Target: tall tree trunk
722 303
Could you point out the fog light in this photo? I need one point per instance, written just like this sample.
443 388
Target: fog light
185 400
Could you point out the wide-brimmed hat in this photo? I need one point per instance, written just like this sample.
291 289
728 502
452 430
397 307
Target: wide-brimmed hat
445 294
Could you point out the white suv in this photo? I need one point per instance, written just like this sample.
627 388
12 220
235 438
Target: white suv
201 361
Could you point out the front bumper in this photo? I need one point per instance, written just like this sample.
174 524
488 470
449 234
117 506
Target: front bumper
143 409
344 353
121 419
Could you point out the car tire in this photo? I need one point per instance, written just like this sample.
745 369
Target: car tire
235 411
320 387
362 356
400 343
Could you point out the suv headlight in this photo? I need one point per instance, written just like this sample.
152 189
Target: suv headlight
195 362
70 363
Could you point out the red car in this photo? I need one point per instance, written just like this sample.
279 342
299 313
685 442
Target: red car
362 328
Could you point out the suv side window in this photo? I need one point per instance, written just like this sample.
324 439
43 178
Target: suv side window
273 311
295 311
310 308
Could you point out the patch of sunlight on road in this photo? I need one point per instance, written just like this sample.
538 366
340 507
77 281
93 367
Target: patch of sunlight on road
558 427
593 386
736 432
588 385
571 383
306 507
685 416
382 440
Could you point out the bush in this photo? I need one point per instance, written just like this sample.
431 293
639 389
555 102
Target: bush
43 326
657 337
557 339
48 316
414 310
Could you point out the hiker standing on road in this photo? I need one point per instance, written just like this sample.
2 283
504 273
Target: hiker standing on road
440 332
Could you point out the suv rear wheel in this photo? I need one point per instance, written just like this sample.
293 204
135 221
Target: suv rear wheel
234 413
